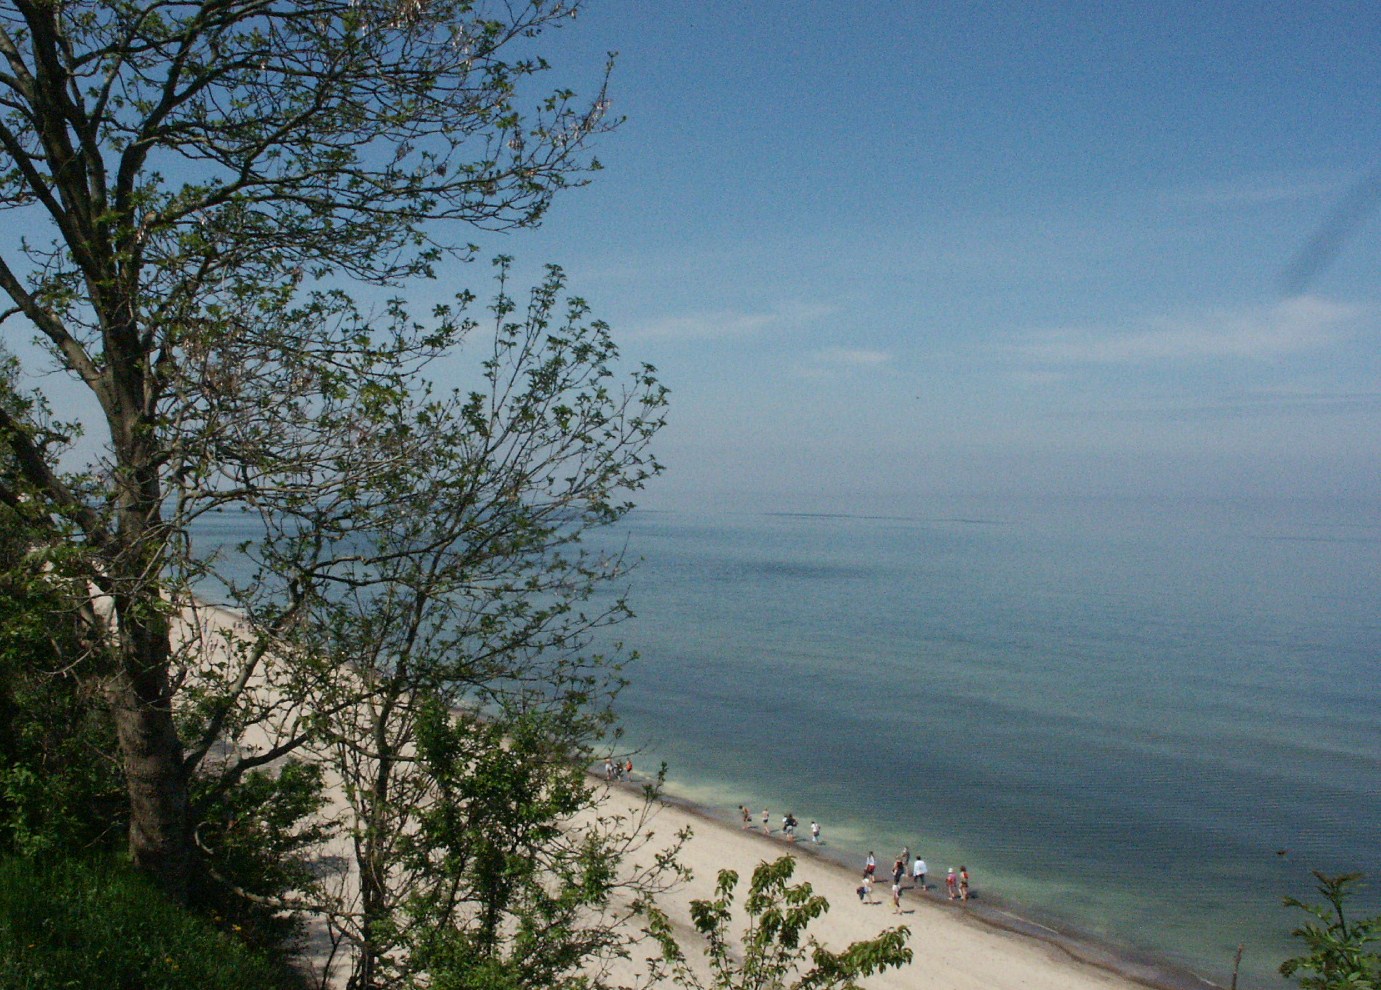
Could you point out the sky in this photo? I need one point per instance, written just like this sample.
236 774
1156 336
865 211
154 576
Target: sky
888 251
895 250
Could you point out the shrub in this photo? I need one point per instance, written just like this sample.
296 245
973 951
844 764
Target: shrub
1339 956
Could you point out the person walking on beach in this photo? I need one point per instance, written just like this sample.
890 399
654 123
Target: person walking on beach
608 768
766 822
789 826
747 816
963 883
898 871
952 884
814 831
905 856
868 889
919 873
870 865
896 898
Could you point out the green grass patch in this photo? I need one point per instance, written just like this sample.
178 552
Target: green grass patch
81 925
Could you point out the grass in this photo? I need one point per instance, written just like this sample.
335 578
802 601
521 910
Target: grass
78 925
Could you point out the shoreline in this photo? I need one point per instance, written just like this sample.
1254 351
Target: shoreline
991 912
984 944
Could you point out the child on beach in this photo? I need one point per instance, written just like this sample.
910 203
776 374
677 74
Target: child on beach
952 884
747 816
896 898
766 823
963 883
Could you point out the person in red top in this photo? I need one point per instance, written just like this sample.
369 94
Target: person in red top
952 884
963 883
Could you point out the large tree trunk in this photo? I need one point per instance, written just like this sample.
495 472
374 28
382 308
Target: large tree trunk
160 839
159 834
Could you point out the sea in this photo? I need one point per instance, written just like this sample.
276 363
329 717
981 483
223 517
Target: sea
1139 724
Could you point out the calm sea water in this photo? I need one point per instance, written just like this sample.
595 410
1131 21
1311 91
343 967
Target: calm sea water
1143 722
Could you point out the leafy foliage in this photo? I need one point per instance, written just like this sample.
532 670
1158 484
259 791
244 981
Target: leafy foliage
258 840
60 788
776 951
207 189
1338 957
188 176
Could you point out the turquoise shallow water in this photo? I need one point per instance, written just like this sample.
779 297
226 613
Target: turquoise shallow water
1145 723
1142 722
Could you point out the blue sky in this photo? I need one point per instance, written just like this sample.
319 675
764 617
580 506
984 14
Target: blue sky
890 250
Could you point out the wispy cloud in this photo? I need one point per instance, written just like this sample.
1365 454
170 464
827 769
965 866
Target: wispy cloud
850 357
835 362
726 324
1291 326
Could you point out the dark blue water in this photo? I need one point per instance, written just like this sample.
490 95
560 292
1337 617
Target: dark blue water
1146 722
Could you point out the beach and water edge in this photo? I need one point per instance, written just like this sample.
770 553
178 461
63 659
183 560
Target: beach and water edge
721 834
979 943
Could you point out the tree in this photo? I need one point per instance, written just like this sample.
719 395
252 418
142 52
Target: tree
422 558
1338 957
774 955
196 182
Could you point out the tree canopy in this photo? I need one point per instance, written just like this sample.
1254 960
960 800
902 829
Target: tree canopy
222 205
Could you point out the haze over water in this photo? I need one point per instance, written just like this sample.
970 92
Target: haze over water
1143 721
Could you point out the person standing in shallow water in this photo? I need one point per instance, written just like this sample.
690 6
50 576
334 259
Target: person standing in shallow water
870 865
952 884
919 873
747 816
766 822
963 883
814 831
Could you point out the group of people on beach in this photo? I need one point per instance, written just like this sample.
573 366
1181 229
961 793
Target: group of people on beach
618 769
789 824
956 884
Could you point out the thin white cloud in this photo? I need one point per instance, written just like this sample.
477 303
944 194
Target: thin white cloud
725 324
851 357
830 363
1292 326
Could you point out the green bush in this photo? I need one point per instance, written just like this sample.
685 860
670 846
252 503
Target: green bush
73 924
1339 957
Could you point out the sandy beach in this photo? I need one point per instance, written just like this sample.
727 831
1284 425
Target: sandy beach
955 945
